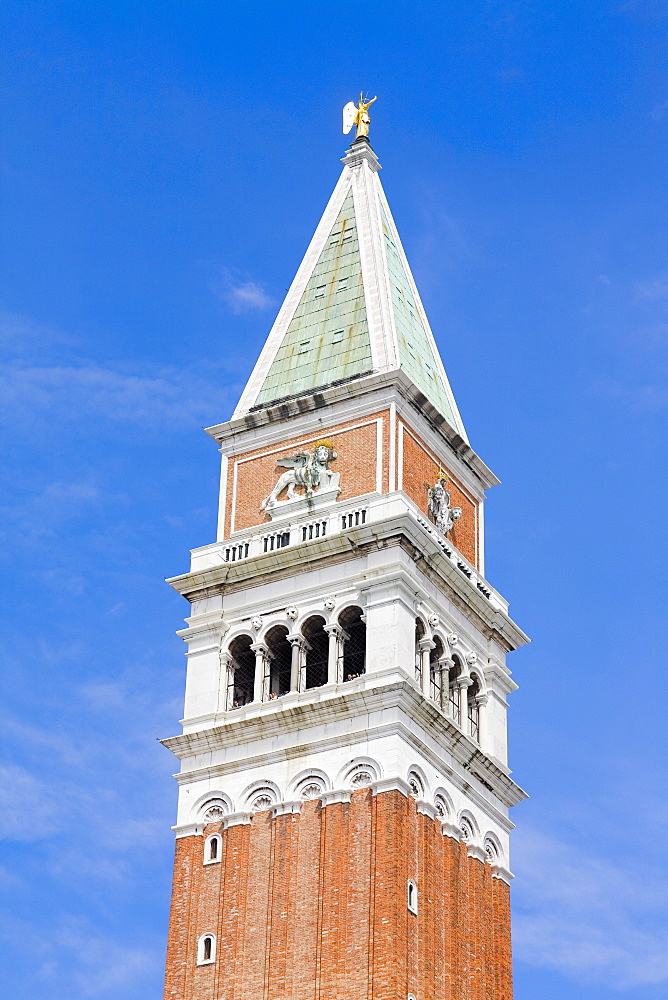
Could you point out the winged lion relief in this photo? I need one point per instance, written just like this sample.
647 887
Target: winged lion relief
307 469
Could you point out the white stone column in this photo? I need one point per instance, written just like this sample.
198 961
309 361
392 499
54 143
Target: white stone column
225 696
299 647
425 646
463 683
445 664
336 639
481 701
262 654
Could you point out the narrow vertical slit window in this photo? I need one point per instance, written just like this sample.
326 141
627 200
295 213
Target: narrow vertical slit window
206 949
212 850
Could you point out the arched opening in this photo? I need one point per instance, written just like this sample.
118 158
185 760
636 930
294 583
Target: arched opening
354 646
416 784
473 708
277 676
317 651
435 681
241 682
454 690
411 896
206 949
212 850
419 634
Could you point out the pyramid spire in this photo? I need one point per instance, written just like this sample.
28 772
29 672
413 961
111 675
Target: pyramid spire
353 309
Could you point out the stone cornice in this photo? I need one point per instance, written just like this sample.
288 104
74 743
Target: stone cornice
236 819
231 435
425 808
286 808
392 784
336 796
449 829
400 529
188 830
386 692
498 871
361 152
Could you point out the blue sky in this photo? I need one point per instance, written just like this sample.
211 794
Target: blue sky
164 166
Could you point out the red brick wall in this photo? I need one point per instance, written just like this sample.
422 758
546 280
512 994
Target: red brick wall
419 472
356 446
313 907
257 472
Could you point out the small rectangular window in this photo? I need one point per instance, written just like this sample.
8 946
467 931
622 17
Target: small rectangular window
337 336
320 292
343 284
304 347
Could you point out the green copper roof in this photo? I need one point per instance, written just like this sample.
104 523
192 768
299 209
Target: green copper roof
328 337
416 356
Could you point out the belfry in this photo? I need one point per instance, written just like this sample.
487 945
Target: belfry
343 813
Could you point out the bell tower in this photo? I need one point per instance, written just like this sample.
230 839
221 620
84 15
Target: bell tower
343 813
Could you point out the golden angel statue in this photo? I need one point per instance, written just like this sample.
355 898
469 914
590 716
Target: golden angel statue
358 116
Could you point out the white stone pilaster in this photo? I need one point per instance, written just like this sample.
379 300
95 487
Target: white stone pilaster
390 623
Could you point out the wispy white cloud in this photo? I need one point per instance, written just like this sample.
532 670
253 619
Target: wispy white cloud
71 957
659 111
28 810
645 398
241 294
41 513
23 335
39 393
82 393
104 964
654 290
588 917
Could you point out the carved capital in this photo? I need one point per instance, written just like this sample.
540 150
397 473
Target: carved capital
297 639
335 629
261 649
